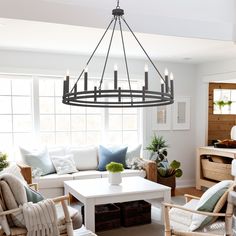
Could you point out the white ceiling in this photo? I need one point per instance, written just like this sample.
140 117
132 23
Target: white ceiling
48 37
169 30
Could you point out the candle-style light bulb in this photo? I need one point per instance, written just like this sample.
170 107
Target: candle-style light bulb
115 77
166 81
86 78
162 85
146 77
166 72
172 84
66 84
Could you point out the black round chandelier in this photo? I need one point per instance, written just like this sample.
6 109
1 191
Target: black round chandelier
118 97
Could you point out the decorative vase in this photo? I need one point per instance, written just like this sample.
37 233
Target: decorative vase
168 181
114 178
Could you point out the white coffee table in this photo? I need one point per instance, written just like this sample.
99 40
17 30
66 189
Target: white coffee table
93 192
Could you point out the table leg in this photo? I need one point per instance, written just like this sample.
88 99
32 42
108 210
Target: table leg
167 199
89 215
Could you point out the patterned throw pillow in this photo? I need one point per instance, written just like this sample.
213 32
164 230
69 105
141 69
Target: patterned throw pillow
64 164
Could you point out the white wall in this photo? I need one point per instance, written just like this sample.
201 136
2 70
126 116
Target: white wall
182 143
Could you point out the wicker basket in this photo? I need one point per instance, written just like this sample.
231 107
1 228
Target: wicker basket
135 213
216 171
107 217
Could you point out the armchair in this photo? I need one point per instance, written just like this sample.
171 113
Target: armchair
220 227
65 229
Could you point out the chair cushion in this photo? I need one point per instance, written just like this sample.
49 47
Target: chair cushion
87 174
74 214
52 180
108 155
208 201
127 173
86 158
180 219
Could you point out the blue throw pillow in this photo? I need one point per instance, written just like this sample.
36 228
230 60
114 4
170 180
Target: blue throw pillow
106 156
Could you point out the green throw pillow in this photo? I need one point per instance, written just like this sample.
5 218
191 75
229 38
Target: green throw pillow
33 196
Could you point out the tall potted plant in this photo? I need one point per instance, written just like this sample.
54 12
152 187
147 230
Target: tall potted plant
166 172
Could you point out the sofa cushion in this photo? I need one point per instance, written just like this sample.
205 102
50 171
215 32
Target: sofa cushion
108 155
56 151
52 180
38 158
127 173
86 158
87 174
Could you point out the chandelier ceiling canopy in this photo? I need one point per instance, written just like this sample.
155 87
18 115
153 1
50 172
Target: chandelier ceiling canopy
118 97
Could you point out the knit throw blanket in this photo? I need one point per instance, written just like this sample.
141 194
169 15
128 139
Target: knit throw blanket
41 218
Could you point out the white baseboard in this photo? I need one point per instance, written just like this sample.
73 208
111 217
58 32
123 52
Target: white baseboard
185 183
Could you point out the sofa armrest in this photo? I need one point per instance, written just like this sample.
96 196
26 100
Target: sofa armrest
151 170
26 172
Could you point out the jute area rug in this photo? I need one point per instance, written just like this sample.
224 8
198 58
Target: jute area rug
153 229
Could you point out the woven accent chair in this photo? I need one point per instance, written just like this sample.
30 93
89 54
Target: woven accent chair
221 223
65 224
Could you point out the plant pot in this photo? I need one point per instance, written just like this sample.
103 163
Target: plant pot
114 178
168 181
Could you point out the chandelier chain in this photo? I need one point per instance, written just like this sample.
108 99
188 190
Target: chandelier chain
143 48
108 52
93 53
126 62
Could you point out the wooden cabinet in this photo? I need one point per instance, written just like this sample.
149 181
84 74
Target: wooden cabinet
203 152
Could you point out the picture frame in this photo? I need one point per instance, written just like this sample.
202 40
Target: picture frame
181 113
161 118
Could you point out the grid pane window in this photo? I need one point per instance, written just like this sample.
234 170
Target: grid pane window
31 107
76 125
16 118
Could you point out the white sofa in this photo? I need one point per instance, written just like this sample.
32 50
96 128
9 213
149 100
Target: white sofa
86 160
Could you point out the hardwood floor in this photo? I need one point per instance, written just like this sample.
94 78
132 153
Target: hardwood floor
192 191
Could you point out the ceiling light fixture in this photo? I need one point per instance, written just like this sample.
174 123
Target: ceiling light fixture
118 97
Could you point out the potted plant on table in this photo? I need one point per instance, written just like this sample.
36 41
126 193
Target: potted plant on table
114 170
166 172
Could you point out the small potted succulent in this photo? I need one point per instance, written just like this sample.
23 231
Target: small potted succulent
3 161
114 170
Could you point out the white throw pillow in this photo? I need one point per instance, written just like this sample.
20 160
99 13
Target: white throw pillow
208 201
38 158
86 158
133 152
64 164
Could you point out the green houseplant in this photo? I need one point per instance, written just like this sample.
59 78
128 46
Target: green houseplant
3 161
166 172
222 103
114 169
